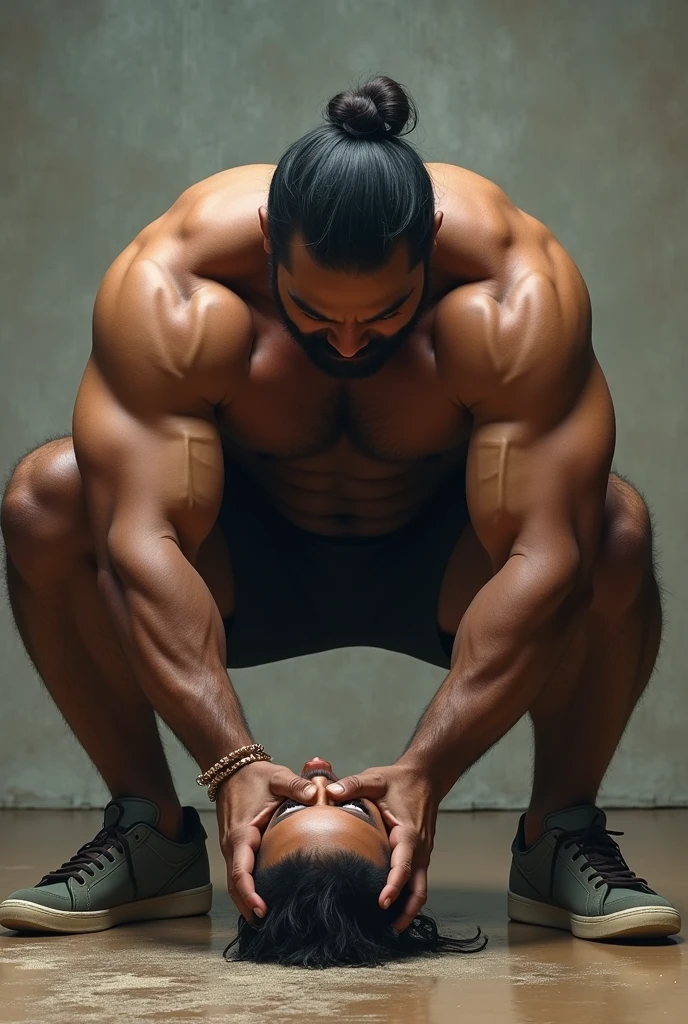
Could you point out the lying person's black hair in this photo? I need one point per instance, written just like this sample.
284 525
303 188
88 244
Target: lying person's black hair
323 911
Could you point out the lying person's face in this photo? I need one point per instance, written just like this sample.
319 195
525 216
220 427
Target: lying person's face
328 825
321 869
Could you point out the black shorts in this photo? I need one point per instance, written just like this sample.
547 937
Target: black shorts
297 592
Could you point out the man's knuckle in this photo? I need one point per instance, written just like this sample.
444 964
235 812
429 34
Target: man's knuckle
238 836
236 874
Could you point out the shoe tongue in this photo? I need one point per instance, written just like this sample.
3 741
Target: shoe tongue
574 818
130 810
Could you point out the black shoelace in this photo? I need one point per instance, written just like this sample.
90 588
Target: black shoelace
87 858
600 855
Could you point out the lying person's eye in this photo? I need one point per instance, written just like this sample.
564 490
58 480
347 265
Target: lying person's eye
291 805
357 805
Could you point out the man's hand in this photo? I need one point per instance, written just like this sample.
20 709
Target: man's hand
409 809
245 803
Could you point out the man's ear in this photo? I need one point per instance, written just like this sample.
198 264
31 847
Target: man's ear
263 218
439 216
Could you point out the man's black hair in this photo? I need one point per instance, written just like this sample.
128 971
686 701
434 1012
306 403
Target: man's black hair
323 911
352 187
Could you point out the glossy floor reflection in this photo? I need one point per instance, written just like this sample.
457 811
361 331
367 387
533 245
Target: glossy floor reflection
174 971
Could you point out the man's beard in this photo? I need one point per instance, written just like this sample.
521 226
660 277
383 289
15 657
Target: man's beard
370 359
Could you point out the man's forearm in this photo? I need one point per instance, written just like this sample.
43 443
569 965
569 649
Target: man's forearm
510 640
172 635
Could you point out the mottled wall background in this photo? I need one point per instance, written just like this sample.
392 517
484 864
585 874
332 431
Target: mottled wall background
110 108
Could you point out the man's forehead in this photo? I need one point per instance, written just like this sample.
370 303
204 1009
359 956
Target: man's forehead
321 291
385 310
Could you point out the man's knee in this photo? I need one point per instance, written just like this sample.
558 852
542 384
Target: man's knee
626 554
43 509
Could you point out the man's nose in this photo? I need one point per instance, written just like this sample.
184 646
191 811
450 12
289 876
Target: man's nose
349 341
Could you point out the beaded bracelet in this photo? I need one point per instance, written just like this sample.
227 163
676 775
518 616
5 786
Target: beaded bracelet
231 769
251 748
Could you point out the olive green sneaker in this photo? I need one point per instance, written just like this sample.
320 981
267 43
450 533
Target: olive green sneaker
129 872
574 877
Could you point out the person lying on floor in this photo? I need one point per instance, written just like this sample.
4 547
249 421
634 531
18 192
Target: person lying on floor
320 869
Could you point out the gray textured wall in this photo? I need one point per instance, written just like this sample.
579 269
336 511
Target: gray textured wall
110 108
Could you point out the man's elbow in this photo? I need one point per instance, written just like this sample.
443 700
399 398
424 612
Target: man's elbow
128 555
561 586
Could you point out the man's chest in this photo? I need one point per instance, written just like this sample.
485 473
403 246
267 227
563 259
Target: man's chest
288 409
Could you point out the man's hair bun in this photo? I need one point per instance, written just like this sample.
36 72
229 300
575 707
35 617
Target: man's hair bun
378 109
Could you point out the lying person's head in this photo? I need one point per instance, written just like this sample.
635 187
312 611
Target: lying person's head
320 870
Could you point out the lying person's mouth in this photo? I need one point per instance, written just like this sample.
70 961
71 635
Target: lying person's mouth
317 762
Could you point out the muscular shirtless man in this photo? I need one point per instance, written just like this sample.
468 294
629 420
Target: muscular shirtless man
348 400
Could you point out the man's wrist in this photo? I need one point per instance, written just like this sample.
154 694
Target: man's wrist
433 770
217 748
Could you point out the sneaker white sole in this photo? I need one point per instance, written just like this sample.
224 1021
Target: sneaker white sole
23 915
638 922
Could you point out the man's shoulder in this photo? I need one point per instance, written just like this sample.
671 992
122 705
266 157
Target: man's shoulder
520 329
162 314
210 225
218 210
163 332
478 223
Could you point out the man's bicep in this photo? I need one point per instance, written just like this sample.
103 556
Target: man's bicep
144 477
540 491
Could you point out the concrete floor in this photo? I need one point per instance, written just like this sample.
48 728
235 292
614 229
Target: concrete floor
173 971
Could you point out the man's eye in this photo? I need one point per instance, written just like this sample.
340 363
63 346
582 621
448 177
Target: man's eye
317 319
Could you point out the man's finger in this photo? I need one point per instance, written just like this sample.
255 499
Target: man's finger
292 787
416 901
399 872
368 784
236 899
244 896
241 885
262 820
388 818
